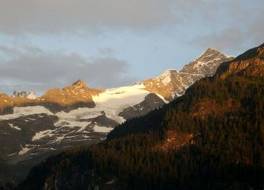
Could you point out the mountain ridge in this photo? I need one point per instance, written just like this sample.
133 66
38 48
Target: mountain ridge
80 95
250 63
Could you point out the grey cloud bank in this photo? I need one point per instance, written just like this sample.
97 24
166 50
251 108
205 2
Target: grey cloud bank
43 70
49 16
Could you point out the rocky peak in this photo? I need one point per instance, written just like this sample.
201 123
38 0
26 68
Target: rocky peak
79 84
169 72
207 63
172 83
210 52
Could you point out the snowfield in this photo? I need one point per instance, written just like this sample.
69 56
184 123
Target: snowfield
77 124
25 111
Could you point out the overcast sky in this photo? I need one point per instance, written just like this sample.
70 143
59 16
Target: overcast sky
108 43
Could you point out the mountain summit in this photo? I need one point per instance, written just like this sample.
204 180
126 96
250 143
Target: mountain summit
70 97
172 83
207 63
79 84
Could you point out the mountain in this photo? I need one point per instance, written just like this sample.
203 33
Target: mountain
172 83
207 63
75 96
210 138
65 99
79 115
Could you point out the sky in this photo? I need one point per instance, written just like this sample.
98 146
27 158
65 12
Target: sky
110 43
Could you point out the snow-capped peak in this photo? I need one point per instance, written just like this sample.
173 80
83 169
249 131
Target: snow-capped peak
25 94
32 95
207 63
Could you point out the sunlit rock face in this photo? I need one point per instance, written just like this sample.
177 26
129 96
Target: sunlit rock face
172 83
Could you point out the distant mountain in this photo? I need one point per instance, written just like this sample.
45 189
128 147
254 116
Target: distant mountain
210 138
172 83
207 63
25 94
79 115
69 98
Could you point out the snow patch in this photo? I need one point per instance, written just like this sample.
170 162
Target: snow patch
30 110
71 123
32 96
41 135
24 150
25 111
80 113
14 127
99 129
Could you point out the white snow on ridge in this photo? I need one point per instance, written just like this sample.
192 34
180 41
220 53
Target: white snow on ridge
30 110
24 150
162 98
25 111
114 101
79 113
72 123
111 102
32 96
121 97
42 134
14 127
100 129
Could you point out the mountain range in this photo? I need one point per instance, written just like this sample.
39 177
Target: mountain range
33 128
212 137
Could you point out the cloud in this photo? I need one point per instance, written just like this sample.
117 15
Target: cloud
242 27
221 18
54 16
51 16
34 68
